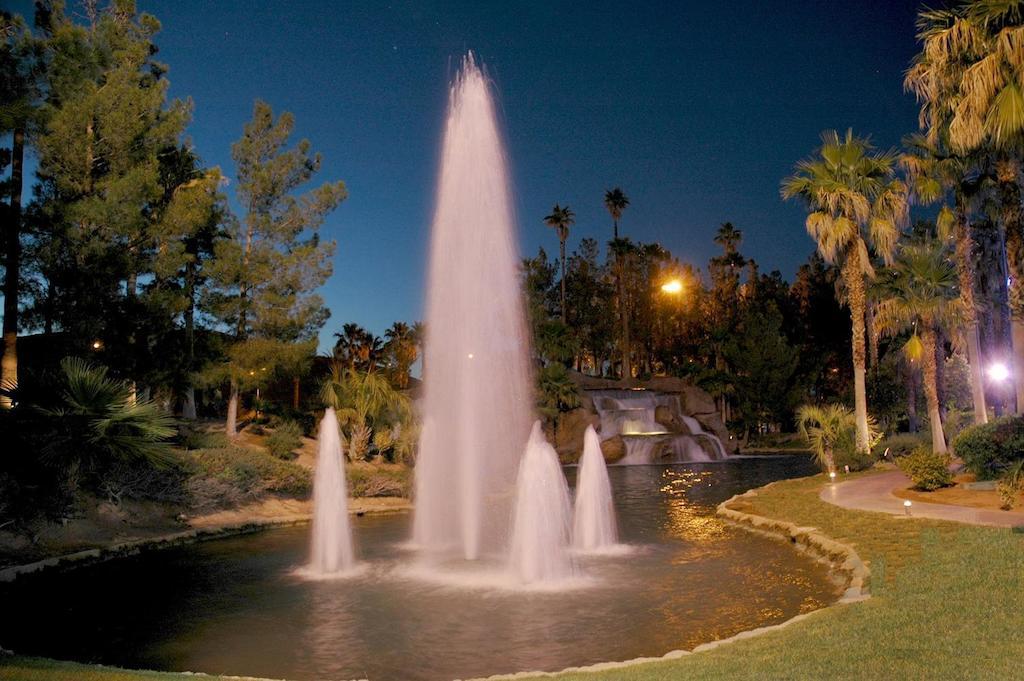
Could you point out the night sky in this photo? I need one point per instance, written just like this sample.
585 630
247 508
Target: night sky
697 110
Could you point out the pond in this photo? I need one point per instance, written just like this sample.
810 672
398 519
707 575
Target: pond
234 606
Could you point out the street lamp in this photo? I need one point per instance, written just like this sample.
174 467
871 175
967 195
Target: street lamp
998 372
674 286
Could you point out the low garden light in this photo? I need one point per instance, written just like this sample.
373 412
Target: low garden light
906 506
998 372
97 344
832 476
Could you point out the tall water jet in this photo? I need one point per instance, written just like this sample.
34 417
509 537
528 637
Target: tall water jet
477 392
540 535
594 515
332 537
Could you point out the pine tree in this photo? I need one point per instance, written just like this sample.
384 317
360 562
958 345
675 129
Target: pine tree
20 89
100 196
266 273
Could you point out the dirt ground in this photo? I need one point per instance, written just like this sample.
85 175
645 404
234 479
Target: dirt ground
959 496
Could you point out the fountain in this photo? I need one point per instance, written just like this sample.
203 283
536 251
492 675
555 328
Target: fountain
332 538
594 518
540 536
478 397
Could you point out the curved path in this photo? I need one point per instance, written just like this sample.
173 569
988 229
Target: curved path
874 493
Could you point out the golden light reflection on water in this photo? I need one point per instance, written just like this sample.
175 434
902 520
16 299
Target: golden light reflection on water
686 519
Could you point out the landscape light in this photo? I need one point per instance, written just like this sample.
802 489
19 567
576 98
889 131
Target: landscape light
997 371
97 344
906 506
674 286
832 476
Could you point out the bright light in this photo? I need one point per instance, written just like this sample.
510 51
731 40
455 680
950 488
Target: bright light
470 356
998 372
96 345
832 476
674 286
906 506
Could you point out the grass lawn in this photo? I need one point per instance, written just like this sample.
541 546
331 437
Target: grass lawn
948 603
34 669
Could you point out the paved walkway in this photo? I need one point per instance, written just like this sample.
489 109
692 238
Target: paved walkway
874 493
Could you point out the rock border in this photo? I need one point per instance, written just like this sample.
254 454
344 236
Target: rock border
194 535
841 558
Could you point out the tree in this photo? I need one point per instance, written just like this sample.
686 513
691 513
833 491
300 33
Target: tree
932 171
560 220
402 352
854 199
825 427
366 403
358 348
969 78
108 122
764 364
616 201
922 296
20 91
266 272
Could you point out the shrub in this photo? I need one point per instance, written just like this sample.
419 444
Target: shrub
990 448
285 439
366 481
901 444
1011 485
233 475
189 438
928 470
831 431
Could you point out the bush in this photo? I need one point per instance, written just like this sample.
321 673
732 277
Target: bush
234 475
366 481
901 444
285 439
989 449
846 453
928 470
190 439
1011 485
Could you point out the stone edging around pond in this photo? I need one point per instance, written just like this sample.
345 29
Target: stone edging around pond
190 536
841 558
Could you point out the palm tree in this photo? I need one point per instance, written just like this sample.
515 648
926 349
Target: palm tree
932 170
854 199
560 220
402 348
969 78
616 201
825 428
922 297
359 348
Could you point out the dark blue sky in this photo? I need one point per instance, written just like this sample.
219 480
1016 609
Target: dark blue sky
696 109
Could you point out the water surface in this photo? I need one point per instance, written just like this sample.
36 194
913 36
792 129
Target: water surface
232 606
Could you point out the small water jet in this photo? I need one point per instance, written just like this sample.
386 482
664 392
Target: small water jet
540 534
594 516
332 552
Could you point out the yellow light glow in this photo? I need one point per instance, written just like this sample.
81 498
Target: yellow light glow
470 356
674 286
96 345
